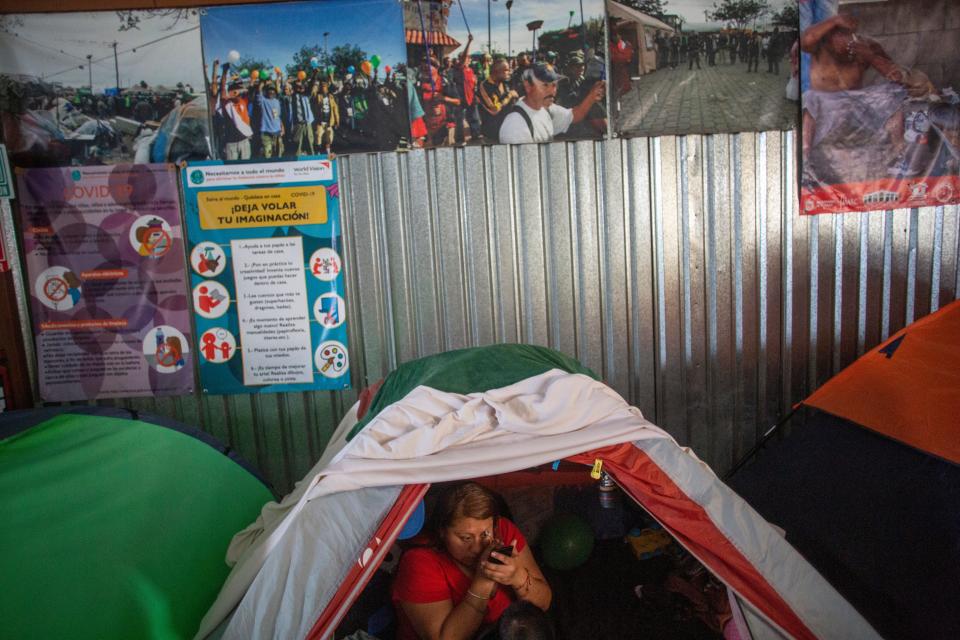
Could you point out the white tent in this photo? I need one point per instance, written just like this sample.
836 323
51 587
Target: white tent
301 565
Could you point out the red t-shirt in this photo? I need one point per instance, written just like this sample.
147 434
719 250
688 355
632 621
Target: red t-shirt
469 85
427 574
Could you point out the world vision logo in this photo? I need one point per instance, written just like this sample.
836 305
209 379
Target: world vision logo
196 176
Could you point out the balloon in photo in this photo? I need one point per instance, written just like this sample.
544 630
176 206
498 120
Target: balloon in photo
351 69
301 74
314 63
375 61
233 56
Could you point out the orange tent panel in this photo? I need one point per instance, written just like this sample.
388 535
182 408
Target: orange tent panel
907 388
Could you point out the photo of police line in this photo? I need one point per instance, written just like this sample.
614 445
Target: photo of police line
704 66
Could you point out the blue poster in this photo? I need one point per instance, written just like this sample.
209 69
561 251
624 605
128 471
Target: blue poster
266 275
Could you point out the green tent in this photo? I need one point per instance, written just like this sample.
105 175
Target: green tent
115 524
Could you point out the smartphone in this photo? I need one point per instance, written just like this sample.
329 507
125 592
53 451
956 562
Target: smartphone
506 550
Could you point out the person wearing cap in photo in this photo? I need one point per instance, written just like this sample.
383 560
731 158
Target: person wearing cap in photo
568 87
536 117
571 90
271 125
234 111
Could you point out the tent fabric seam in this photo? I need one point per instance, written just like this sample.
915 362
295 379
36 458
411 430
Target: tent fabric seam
809 569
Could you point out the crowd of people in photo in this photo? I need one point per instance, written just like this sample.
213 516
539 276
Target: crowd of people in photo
271 114
489 98
68 124
139 103
727 47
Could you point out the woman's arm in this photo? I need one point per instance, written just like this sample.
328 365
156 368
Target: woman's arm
531 586
444 621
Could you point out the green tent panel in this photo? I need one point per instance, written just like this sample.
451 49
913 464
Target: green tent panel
114 527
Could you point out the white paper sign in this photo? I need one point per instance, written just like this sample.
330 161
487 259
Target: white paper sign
273 311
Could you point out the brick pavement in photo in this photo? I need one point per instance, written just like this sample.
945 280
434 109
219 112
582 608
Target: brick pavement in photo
723 98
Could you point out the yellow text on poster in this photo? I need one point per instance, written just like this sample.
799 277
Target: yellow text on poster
243 208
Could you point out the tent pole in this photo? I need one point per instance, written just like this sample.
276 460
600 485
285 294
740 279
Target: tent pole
762 443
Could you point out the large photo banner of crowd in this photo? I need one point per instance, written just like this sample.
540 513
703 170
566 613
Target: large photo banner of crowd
505 72
303 78
106 87
881 114
703 66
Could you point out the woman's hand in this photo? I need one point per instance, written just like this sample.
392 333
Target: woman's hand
506 573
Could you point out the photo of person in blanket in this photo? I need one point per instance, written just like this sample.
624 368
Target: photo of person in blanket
868 117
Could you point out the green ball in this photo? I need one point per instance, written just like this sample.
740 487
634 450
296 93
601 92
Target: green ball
566 541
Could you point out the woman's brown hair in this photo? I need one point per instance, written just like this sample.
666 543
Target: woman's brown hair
466 500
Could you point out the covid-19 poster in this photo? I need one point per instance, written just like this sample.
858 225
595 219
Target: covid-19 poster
105 268
266 275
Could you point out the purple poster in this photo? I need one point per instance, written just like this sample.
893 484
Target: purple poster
107 283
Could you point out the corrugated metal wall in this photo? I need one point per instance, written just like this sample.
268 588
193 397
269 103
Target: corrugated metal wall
678 268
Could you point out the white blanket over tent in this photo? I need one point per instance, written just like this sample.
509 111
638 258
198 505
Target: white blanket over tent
293 558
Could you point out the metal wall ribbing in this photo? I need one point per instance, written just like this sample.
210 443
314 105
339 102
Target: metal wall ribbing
678 268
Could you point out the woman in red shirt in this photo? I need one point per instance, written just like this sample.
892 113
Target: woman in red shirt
451 589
